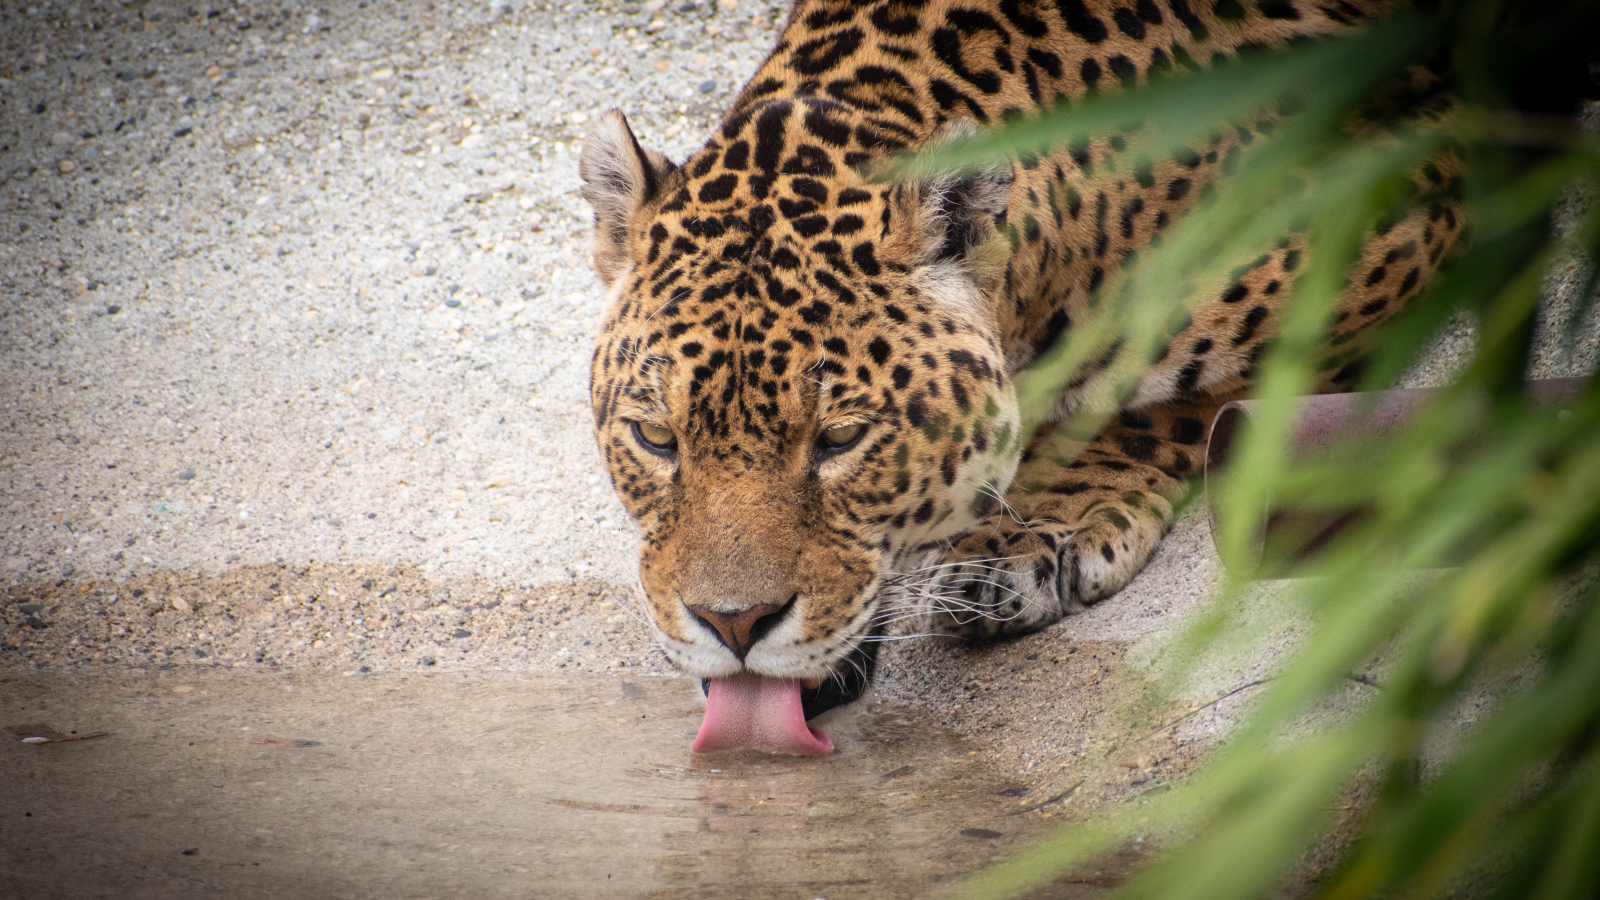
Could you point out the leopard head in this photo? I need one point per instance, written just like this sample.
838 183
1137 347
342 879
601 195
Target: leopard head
796 389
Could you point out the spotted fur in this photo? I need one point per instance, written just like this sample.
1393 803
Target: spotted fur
764 292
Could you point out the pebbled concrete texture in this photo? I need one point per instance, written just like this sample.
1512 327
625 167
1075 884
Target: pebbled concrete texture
295 318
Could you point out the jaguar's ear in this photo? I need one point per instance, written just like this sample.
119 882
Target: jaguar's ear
619 178
957 213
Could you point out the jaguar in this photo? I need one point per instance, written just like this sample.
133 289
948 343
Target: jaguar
804 386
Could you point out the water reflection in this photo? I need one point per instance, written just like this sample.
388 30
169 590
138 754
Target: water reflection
902 808
474 786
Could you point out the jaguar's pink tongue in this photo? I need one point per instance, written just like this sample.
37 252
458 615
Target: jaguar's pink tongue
753 712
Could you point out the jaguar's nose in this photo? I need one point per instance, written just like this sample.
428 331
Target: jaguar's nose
740 628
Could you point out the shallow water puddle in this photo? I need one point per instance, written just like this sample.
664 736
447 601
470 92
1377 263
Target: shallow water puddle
224 784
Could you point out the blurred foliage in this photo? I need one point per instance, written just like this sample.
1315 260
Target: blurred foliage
1497 495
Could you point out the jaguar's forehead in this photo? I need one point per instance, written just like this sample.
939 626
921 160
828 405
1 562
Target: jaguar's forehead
773 283
777 189
772 224
816 321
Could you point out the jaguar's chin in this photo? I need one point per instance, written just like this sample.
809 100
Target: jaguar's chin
850 678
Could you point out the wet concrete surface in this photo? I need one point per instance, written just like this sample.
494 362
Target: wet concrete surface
241 784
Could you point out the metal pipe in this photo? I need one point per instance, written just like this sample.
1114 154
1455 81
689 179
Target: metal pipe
1322 421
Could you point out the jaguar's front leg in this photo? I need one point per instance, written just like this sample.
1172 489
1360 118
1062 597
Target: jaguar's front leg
1078 523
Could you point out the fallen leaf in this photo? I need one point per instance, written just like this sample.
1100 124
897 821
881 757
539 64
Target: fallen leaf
44 734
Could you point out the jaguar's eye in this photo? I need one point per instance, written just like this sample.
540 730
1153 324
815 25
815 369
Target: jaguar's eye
655 437
840 437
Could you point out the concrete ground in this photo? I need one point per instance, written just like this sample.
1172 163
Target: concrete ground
294 328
